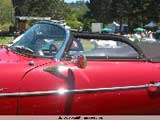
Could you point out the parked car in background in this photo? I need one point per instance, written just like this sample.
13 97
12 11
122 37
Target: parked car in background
52 71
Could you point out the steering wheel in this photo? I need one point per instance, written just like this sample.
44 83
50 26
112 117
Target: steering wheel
48 52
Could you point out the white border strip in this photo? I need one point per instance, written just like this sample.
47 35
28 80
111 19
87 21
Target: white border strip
82 117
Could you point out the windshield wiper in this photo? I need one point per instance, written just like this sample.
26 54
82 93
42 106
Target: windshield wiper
24 49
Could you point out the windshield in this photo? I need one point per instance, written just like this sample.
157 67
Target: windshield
41 40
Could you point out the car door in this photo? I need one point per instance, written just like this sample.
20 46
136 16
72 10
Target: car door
42 92
115 81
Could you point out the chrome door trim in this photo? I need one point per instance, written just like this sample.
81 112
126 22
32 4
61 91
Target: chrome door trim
73 91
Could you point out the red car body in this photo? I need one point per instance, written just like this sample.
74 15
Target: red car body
31 85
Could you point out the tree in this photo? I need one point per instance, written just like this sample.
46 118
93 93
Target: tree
99 10
6 14
75 17
133 12
56 9
17 4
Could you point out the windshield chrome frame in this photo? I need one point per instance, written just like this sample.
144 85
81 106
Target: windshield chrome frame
64 45
62 49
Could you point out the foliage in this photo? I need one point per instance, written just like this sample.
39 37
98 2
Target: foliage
76 15
74 24
4 26
56 9
87 23
133 12
79 8
72 20
6 14
5 40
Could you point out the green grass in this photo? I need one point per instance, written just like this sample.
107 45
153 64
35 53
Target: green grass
5 40
87 45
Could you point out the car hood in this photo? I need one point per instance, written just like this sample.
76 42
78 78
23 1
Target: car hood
13 65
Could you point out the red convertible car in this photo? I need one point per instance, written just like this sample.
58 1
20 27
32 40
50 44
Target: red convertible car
52 71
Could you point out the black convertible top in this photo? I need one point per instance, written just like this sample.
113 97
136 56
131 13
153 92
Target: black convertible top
149 51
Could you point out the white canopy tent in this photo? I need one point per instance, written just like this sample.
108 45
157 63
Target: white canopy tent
151 25
114 26
115 23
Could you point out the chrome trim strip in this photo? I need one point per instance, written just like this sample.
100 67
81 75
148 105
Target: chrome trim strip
66 91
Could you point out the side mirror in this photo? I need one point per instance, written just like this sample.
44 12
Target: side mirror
81 61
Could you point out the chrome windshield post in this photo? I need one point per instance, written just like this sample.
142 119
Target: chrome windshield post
62 49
